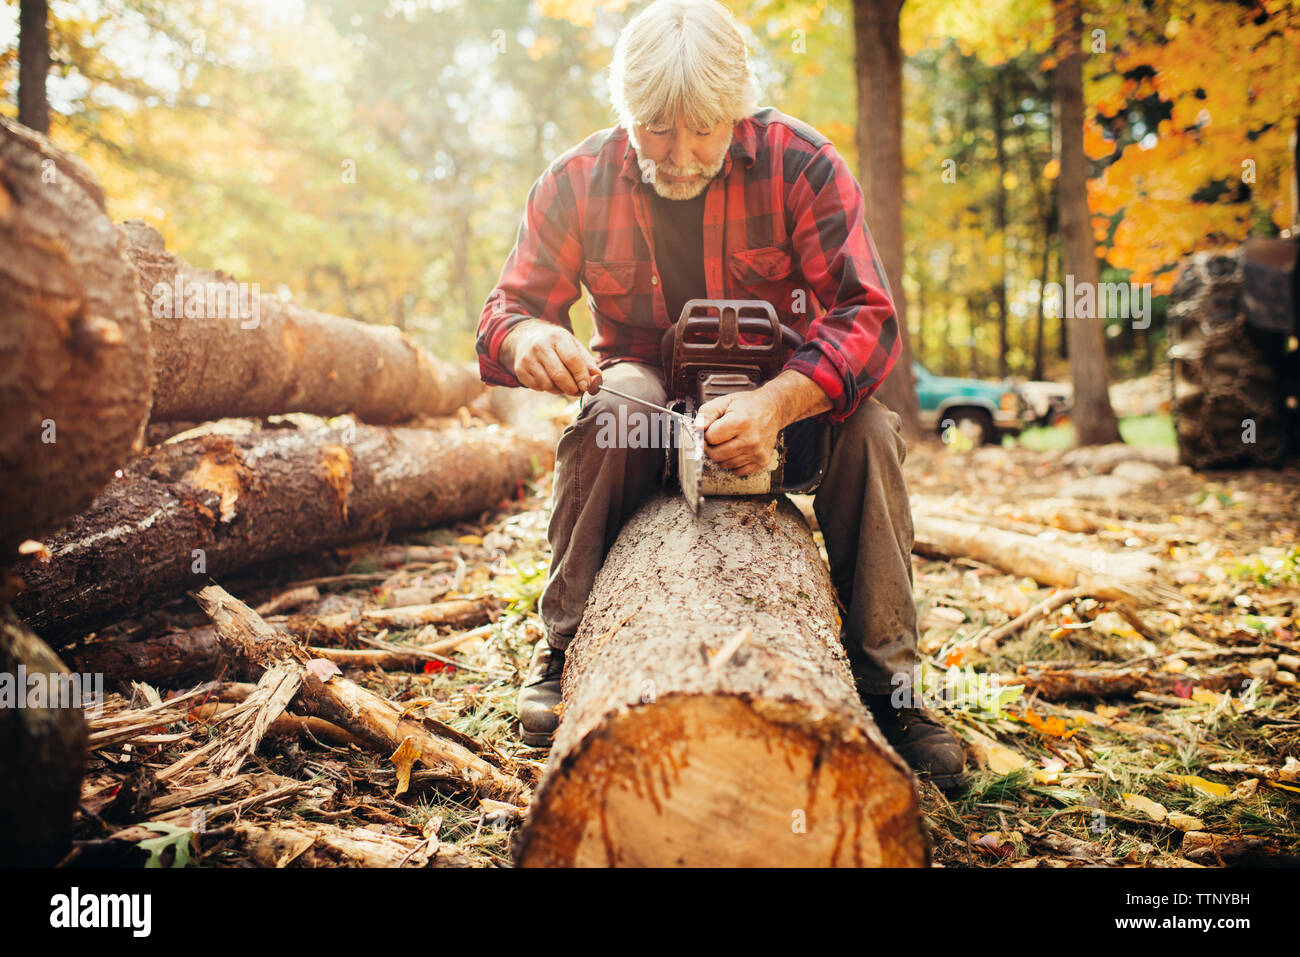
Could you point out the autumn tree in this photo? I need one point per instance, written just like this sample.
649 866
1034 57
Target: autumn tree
33 65
1198 100
1094 419
878 60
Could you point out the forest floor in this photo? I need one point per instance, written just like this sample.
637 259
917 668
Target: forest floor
1185 777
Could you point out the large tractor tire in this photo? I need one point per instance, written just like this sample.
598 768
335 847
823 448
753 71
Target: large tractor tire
1228 403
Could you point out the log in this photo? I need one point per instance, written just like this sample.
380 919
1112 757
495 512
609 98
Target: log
1063 684
196 653
1113 576
709 714
163 658
42 754
219 355
211 505
74 340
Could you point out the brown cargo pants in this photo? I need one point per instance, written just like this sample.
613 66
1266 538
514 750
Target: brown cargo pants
861 506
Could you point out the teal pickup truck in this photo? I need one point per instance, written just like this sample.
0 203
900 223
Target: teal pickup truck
981 411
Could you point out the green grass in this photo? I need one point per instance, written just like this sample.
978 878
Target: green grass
1144 430
1149 430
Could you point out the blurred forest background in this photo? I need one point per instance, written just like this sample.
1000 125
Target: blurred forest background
372 158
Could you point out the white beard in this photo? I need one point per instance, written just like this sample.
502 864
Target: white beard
687 189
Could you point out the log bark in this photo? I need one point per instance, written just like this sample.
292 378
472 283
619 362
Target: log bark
42 754
1064 684
74 341
204 507
709 714
196 652
218 355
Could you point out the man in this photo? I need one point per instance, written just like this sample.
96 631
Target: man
695 194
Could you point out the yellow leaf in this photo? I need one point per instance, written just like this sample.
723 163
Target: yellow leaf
470 539
1185 822
1204 696
1204 787
403 758
1150 808
997 757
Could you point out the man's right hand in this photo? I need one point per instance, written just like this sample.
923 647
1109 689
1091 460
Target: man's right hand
549 359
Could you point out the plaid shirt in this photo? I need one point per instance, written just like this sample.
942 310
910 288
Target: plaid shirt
783 219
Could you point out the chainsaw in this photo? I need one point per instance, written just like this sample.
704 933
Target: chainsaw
717 347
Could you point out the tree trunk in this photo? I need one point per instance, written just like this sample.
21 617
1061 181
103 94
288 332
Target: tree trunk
975 317
33 65
251 355
997 108
709 714
42 752
878 61
1094 419
1039 328
74 341
206 506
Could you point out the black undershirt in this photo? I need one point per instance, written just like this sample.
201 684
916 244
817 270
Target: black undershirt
679 249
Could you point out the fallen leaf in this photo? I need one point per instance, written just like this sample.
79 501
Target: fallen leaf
323 669
403 758
996 757
1185 822
1152 809
1204 787
1050 773
1050 725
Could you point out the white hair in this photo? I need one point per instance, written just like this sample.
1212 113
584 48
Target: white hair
682 57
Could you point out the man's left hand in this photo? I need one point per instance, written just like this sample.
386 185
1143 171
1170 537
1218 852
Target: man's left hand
741 429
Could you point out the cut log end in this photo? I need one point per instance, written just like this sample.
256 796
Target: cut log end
718 781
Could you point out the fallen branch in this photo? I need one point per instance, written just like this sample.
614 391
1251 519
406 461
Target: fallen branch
989 643
382 724
1058 684
1135 576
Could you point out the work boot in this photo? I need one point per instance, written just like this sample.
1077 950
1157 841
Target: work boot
926 745
540 695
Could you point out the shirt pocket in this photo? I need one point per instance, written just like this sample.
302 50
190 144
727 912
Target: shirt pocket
767 273
614 292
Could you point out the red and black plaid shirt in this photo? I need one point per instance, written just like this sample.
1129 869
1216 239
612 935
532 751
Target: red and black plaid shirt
783 219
